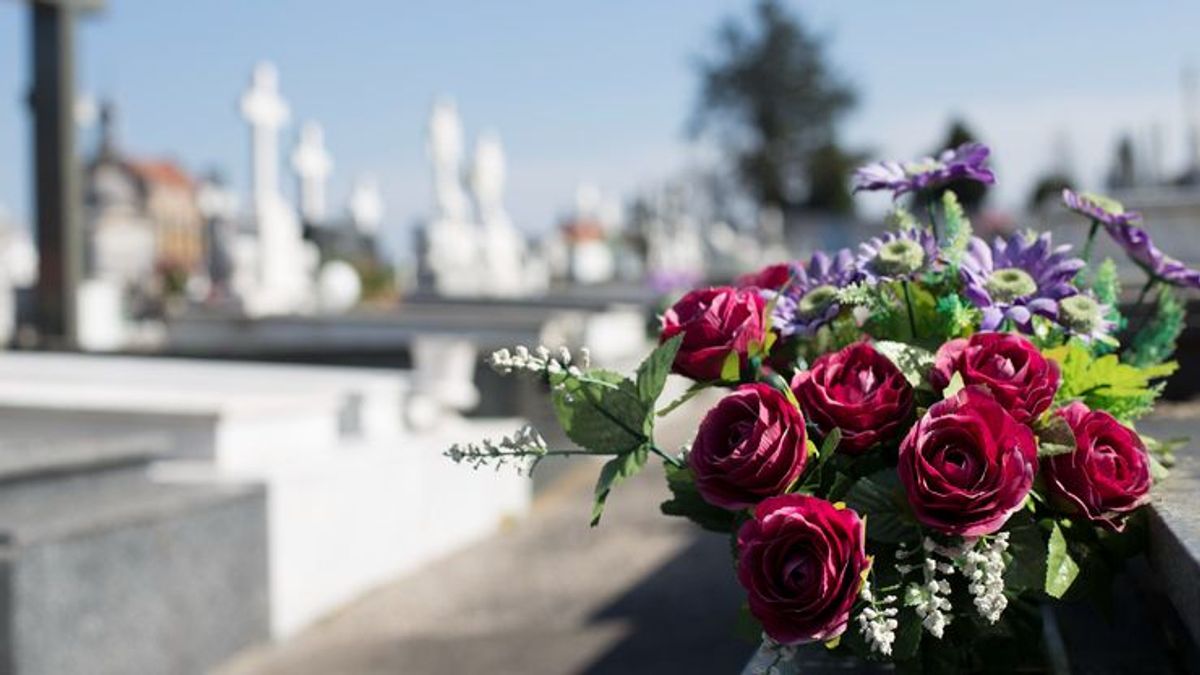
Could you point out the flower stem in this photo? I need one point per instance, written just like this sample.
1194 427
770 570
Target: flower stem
673 461
1145 318
912 320
1091 239
933 219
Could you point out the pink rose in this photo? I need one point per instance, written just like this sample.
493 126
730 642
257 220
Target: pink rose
859 391
801 561
714 322
1108 474
1016 373
749 447
769 278
967 465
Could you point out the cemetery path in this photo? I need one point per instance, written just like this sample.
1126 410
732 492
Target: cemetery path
641 593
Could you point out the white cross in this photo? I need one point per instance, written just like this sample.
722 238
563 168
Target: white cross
267 112
313 165
366 205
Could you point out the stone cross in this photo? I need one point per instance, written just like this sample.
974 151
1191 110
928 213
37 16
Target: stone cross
366 205
445 148
312 164
267 112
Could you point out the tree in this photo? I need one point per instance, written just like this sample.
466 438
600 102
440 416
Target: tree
1049 188
774 104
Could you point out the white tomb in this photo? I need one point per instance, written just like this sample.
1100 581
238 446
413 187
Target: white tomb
312 164
355 497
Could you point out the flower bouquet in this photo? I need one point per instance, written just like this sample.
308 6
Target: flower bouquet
922 440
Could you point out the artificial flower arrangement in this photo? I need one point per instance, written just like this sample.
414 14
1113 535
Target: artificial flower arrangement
921 440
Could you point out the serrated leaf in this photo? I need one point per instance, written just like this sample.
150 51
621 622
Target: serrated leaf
615 471
1061 570
914 362
687 502
652 373
880 499
731 369
956 385
1105 383
605 416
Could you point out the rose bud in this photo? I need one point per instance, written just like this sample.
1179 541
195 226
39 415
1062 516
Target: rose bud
714 322
751 446
1108 474
967 465
859 391
801 561
1011 368
770 278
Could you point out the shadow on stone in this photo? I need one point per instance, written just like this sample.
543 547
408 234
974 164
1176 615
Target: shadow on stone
681 618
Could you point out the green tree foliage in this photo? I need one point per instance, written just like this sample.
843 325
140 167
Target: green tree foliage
772 100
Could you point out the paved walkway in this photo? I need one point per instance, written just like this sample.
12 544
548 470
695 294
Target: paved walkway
641 593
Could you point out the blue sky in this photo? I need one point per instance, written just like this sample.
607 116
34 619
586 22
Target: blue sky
601 91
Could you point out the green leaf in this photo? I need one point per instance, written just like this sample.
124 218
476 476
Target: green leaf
1026 566
605 416
652 373
912 361
731 369
1104 382
612 474
1156 342
956 385
687 502
880 499
1061 570
1055 437
830 444
747 627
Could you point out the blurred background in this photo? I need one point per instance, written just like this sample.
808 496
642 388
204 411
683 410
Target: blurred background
252 255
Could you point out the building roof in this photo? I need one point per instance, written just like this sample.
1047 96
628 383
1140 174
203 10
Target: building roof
162 172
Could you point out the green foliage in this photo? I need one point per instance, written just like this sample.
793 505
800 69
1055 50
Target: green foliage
914 362
687 502
731 369
1104 382
955 317
652 373
615 471
889 314
954 386
1025 568
900 218
1061 569
603 413
1106 284
956 230
880 499
1155 342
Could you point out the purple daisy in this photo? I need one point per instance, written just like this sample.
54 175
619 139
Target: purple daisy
964 162
1086 318
1017 278
1141 250
1099 208
810 301
897 255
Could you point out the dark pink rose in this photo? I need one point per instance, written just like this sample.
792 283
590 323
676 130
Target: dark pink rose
1108 474
967 465
859 391
749 447
801 561
715 322
769 278
1016 373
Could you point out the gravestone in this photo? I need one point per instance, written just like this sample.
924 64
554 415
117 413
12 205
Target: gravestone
107 572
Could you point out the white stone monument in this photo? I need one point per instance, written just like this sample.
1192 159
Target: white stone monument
452 242
502 249
285 262
366 205
312 164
